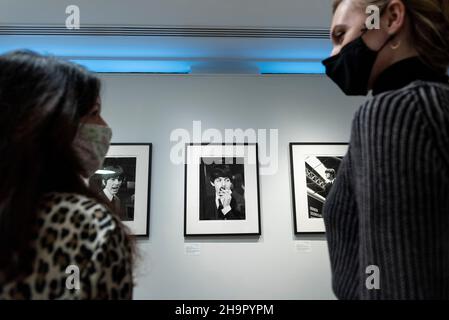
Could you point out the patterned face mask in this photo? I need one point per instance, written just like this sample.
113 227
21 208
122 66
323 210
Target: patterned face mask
92 144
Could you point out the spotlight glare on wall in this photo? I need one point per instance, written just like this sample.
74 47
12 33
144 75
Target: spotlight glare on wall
300 67
134 66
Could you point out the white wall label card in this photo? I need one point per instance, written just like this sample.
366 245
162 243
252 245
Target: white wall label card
303 246
192 249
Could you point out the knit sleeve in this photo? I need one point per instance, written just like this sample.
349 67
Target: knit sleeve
341 221
401 191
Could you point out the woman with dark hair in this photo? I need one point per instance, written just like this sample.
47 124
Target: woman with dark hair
57 239
387 214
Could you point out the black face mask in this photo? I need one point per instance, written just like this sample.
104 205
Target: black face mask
351 68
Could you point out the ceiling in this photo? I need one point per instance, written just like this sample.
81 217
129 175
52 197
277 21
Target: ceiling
189 36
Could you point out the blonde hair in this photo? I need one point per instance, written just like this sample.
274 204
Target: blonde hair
429 22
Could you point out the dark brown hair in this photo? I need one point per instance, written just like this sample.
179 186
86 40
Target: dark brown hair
42 100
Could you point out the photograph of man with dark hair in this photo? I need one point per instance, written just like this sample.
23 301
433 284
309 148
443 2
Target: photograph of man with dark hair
111 183
115 184
221 198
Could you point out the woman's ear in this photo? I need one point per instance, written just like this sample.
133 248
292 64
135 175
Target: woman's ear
395 16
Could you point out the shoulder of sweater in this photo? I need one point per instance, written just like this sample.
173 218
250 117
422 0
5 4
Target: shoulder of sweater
71 199
75 207
429 100
420 105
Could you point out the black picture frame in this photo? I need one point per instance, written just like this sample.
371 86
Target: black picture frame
299 214
136 161
256 202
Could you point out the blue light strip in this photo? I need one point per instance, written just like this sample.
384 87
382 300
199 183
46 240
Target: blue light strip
135 66
106 55
307 67
151 66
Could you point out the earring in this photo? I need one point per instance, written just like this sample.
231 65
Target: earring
396 46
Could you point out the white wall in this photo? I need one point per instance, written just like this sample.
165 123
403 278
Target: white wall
146 108
205 13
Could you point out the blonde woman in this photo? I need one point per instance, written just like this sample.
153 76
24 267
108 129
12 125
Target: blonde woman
387 214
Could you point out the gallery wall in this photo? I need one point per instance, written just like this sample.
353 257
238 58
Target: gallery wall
241 13
276 265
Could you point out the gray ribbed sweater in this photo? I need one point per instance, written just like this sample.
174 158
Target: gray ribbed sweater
389 206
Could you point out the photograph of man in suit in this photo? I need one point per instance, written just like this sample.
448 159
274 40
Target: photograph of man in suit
111 184
221 205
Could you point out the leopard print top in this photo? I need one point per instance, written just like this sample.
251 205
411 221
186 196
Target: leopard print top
81 253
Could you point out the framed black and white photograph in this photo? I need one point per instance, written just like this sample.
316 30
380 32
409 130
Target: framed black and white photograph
314 167
221 190
124 183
